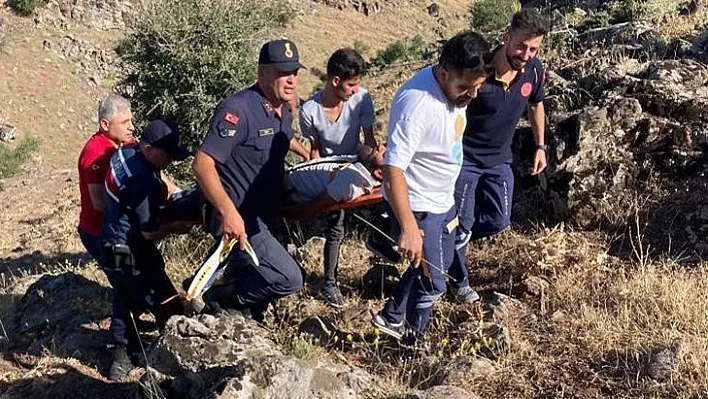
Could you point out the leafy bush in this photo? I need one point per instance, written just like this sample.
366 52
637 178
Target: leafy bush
183 57
598 19
492 15
361 47
406 49
27 7
629 10
11 160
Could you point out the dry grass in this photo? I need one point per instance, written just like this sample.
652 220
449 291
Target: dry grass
590 335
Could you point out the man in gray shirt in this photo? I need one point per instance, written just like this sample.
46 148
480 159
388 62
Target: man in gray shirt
333 119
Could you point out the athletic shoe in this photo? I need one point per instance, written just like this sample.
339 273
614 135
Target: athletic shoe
331 294
466 295
395 330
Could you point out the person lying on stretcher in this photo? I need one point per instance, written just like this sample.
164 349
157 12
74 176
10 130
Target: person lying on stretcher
314 186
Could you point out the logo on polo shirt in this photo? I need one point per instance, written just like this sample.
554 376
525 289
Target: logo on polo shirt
526 89
460 123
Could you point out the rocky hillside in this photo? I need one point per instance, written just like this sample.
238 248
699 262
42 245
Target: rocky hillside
592 294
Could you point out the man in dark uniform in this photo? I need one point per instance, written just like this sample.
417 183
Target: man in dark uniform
485 187
132 262
240 169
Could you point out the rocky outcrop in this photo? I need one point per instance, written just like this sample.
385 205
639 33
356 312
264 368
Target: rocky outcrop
92 62
233 357
7 131
366 7
95 14
632 123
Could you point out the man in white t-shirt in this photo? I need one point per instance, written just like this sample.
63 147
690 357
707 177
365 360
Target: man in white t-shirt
333 120
422 162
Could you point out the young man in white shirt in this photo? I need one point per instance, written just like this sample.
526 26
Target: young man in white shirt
333 120
422 162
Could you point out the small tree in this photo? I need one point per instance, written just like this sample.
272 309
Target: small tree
492 15
27 7
629 10
183 57
403 50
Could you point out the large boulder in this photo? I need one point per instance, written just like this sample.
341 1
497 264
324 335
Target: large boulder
230 356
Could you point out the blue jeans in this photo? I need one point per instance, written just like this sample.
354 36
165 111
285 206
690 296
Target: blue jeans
483 198
419 288
91 243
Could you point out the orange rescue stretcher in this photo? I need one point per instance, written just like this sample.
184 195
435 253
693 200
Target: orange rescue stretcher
189 206
372 198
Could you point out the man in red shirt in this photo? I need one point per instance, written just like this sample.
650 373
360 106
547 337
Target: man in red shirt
115 127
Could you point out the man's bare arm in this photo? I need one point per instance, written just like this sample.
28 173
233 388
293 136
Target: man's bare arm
174 227
171 186
537 118
297 147
204 167
411 242
315 149
369 138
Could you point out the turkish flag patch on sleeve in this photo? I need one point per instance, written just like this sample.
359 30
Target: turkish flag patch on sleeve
231 118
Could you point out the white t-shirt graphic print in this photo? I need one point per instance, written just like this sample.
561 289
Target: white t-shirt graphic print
425 141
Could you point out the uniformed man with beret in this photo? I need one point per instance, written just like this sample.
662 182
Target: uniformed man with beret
240 169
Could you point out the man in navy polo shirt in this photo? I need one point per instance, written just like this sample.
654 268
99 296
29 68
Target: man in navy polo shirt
240 168
131 226
484 189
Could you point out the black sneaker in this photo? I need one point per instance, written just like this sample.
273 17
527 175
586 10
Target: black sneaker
145 326
383 249
120 365
331 294
395 330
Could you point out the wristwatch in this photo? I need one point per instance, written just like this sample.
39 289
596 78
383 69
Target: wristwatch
543 147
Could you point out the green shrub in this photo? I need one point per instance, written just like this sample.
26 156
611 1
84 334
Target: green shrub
183 57
598 19
406 49
27 7
629 10
361 47
492 15
11 160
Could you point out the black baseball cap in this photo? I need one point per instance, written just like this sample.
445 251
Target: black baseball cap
281 54
164 135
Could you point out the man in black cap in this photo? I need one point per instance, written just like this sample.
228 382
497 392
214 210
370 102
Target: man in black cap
240 169
131 226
